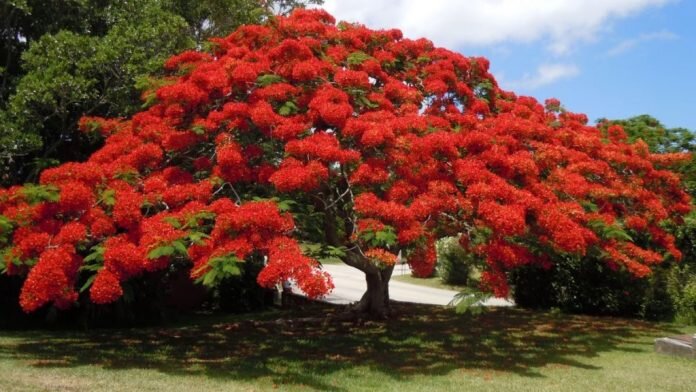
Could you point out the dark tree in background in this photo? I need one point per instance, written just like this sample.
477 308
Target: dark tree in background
61 59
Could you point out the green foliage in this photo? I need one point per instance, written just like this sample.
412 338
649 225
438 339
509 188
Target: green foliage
240 293
364 101
357 58
609 232
92 263
686 238
288 108
322 252
661 139
584 286
108 197
686 305
24 21
216 18
95 57
454 264
94 260
68 74
37 193
220 268
681 286
579 285
6 228
383 238
268 79
470 302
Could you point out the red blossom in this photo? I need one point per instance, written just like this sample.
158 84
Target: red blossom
372 130
106 288
294 175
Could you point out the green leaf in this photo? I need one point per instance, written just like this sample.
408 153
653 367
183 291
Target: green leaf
39 193
367 235
285 205
366 102
198 130
589 206
210 277
108 197
205 215
336 251
467 302
617 234
6 228
357 58
609 231
288 108
173 221
197 237
268 79
220 268
88 283
231 268
5 224
386 237
310 248
97 255
161 251
91 267
129 176
180 247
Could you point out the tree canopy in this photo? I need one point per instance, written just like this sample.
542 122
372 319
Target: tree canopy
300 138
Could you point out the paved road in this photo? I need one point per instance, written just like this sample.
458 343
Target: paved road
350 286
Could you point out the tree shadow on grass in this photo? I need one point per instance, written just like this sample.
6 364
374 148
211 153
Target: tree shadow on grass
418 340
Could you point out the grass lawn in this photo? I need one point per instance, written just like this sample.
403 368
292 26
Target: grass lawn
420 348
434 282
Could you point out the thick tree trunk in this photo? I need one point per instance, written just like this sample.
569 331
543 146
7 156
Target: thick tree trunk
375 301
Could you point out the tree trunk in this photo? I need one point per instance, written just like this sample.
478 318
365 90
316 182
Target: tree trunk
375 301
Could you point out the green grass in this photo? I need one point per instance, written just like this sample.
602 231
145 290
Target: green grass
420 348
434 282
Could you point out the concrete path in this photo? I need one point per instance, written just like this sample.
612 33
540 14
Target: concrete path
350 286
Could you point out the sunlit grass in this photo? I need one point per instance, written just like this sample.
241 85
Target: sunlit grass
434 282
420 348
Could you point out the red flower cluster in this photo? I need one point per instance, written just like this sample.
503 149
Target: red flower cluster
422 259
389 133
380 257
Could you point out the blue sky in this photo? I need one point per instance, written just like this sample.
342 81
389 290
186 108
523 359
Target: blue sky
611 58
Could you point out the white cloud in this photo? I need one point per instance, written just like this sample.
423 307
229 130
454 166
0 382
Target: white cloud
626 45
545 74
452 23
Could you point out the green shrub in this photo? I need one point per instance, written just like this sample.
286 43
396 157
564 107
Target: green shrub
656 303
686 305
681 285
588 286
453 262
239 294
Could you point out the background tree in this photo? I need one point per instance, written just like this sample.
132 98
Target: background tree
217 18
25 21
301 139
63 59
661 139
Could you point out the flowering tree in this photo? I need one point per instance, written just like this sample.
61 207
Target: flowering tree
303 138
